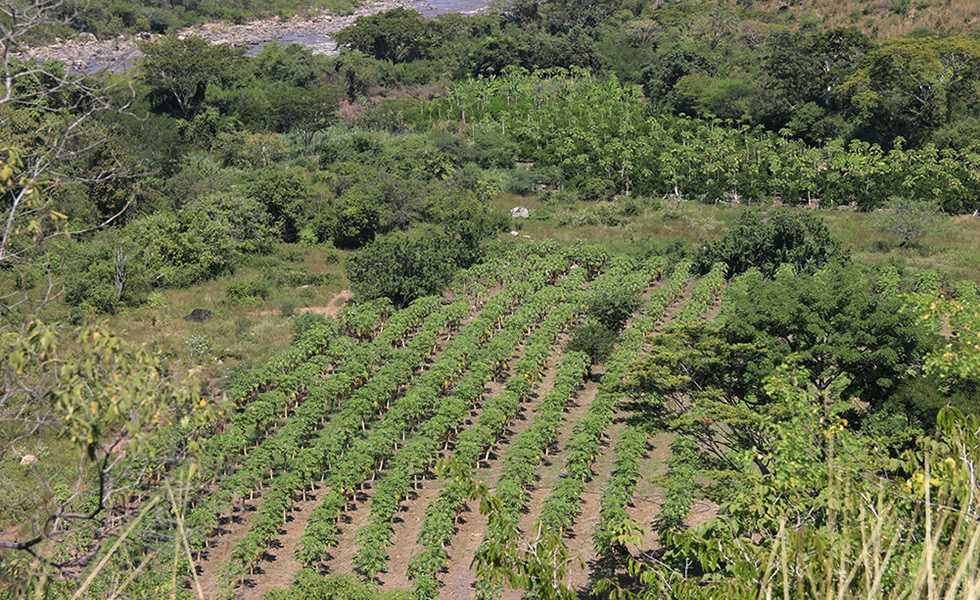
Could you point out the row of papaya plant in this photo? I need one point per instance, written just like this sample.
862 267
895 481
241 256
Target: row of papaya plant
450 366
553 314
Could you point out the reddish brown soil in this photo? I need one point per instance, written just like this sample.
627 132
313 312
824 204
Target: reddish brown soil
550 471
648 496
460 579
342 558
280 567
579 538
211 560
404 542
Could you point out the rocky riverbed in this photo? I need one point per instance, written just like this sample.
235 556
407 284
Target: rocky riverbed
87 54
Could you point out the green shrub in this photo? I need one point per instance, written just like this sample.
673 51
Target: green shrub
597 190
593 338
243 326
305 320
242 292
157 300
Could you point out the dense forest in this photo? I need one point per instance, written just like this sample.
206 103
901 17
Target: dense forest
631 299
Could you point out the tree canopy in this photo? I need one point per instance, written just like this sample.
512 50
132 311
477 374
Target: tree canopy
764 240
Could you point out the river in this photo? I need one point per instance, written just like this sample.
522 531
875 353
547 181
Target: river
117 55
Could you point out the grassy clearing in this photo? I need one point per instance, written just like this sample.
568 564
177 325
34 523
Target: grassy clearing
241 332
659 222
883 19
251 331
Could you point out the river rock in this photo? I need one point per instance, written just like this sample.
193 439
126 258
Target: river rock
87 54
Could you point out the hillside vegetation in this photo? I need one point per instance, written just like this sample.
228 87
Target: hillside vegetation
622 300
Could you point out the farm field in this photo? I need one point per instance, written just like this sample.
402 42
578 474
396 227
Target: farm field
556 300
339 474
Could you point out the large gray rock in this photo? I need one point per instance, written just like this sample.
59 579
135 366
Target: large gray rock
199 314
520 212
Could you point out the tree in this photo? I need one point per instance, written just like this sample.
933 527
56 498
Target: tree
350 221
812 67
401 268
50 122
832 323
306 110
919 78
668 68
285 195
766 240
180 70
107 399
613 306
849 347
398 35
909 219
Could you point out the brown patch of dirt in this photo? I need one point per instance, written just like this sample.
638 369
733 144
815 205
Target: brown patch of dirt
525 416
329 310
648 496
342 558
579 538
218 551
549 472
405 540
279 566
460 580
701 511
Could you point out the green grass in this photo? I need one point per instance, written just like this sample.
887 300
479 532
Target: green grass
253 331
24 485
951 250
239 332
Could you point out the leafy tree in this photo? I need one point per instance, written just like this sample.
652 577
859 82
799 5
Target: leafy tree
108 273
909 219
285 196
766 240
832 323
820 524
306 110
842 340
668 68
350 221
398 35
179 70
54 126
593 338
106 399
613 306
202 241
401 268
922 76
813 67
